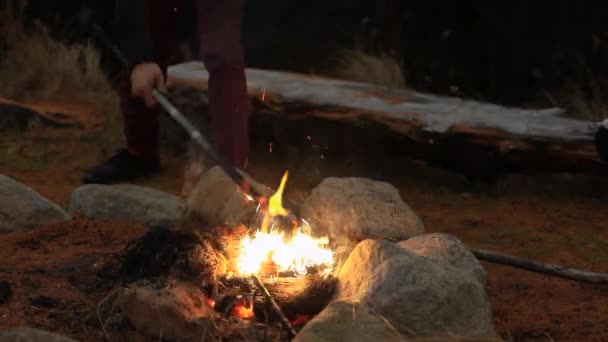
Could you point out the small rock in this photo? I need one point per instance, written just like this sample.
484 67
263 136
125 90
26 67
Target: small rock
345 320
357 209
419 295
5 292
126 202
22 209
448 249
179 312
31 335
219 201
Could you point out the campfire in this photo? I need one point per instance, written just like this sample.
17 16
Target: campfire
273 273
282 250
280 256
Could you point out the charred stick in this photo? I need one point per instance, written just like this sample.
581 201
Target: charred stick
543 268
275 307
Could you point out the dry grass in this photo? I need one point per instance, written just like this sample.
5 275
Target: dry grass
590 105
35 67
383 70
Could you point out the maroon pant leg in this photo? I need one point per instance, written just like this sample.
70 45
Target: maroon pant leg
219 28
141 125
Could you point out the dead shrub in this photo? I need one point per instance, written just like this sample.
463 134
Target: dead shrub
34 67
586 101
359 66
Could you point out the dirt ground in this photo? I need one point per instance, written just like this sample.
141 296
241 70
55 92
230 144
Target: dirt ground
51 270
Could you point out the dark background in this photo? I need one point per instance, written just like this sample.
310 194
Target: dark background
509 52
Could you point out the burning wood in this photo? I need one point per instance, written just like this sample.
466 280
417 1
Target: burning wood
284 321
271 251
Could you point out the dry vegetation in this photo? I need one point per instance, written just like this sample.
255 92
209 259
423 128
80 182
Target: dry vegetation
35 67
586 99
379 69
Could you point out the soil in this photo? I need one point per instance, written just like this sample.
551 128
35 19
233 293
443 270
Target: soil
558 219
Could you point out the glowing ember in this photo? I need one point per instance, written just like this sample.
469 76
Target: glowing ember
271 246
243 312
211 302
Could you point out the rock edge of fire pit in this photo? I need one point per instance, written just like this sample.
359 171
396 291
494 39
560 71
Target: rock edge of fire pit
420 295
345 320
349 210
176 312
26 334
22 208
133 203
447 249
219 201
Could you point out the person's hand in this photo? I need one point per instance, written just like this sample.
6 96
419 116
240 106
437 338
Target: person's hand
145 78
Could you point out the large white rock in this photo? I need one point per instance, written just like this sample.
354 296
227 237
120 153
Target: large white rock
21 208
447 249
345 320
126 202
25 334
417 294
349 210
218 200
360 209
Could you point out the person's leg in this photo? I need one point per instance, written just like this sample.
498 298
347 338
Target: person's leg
219 28
141 125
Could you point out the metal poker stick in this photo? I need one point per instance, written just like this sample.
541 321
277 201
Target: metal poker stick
84 20
198 137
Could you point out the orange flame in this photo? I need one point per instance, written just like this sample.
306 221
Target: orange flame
275 204
270 246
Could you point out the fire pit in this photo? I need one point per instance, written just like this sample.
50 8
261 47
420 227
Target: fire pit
274 277
271 277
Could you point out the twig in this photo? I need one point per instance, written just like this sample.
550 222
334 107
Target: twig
292 333
101 322
543 268
265 323
55 311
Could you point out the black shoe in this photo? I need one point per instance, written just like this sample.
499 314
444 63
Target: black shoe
121 167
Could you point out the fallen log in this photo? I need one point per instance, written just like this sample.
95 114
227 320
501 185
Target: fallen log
468 136
543 268
20 117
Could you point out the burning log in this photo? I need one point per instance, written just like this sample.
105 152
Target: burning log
277 309
301 296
